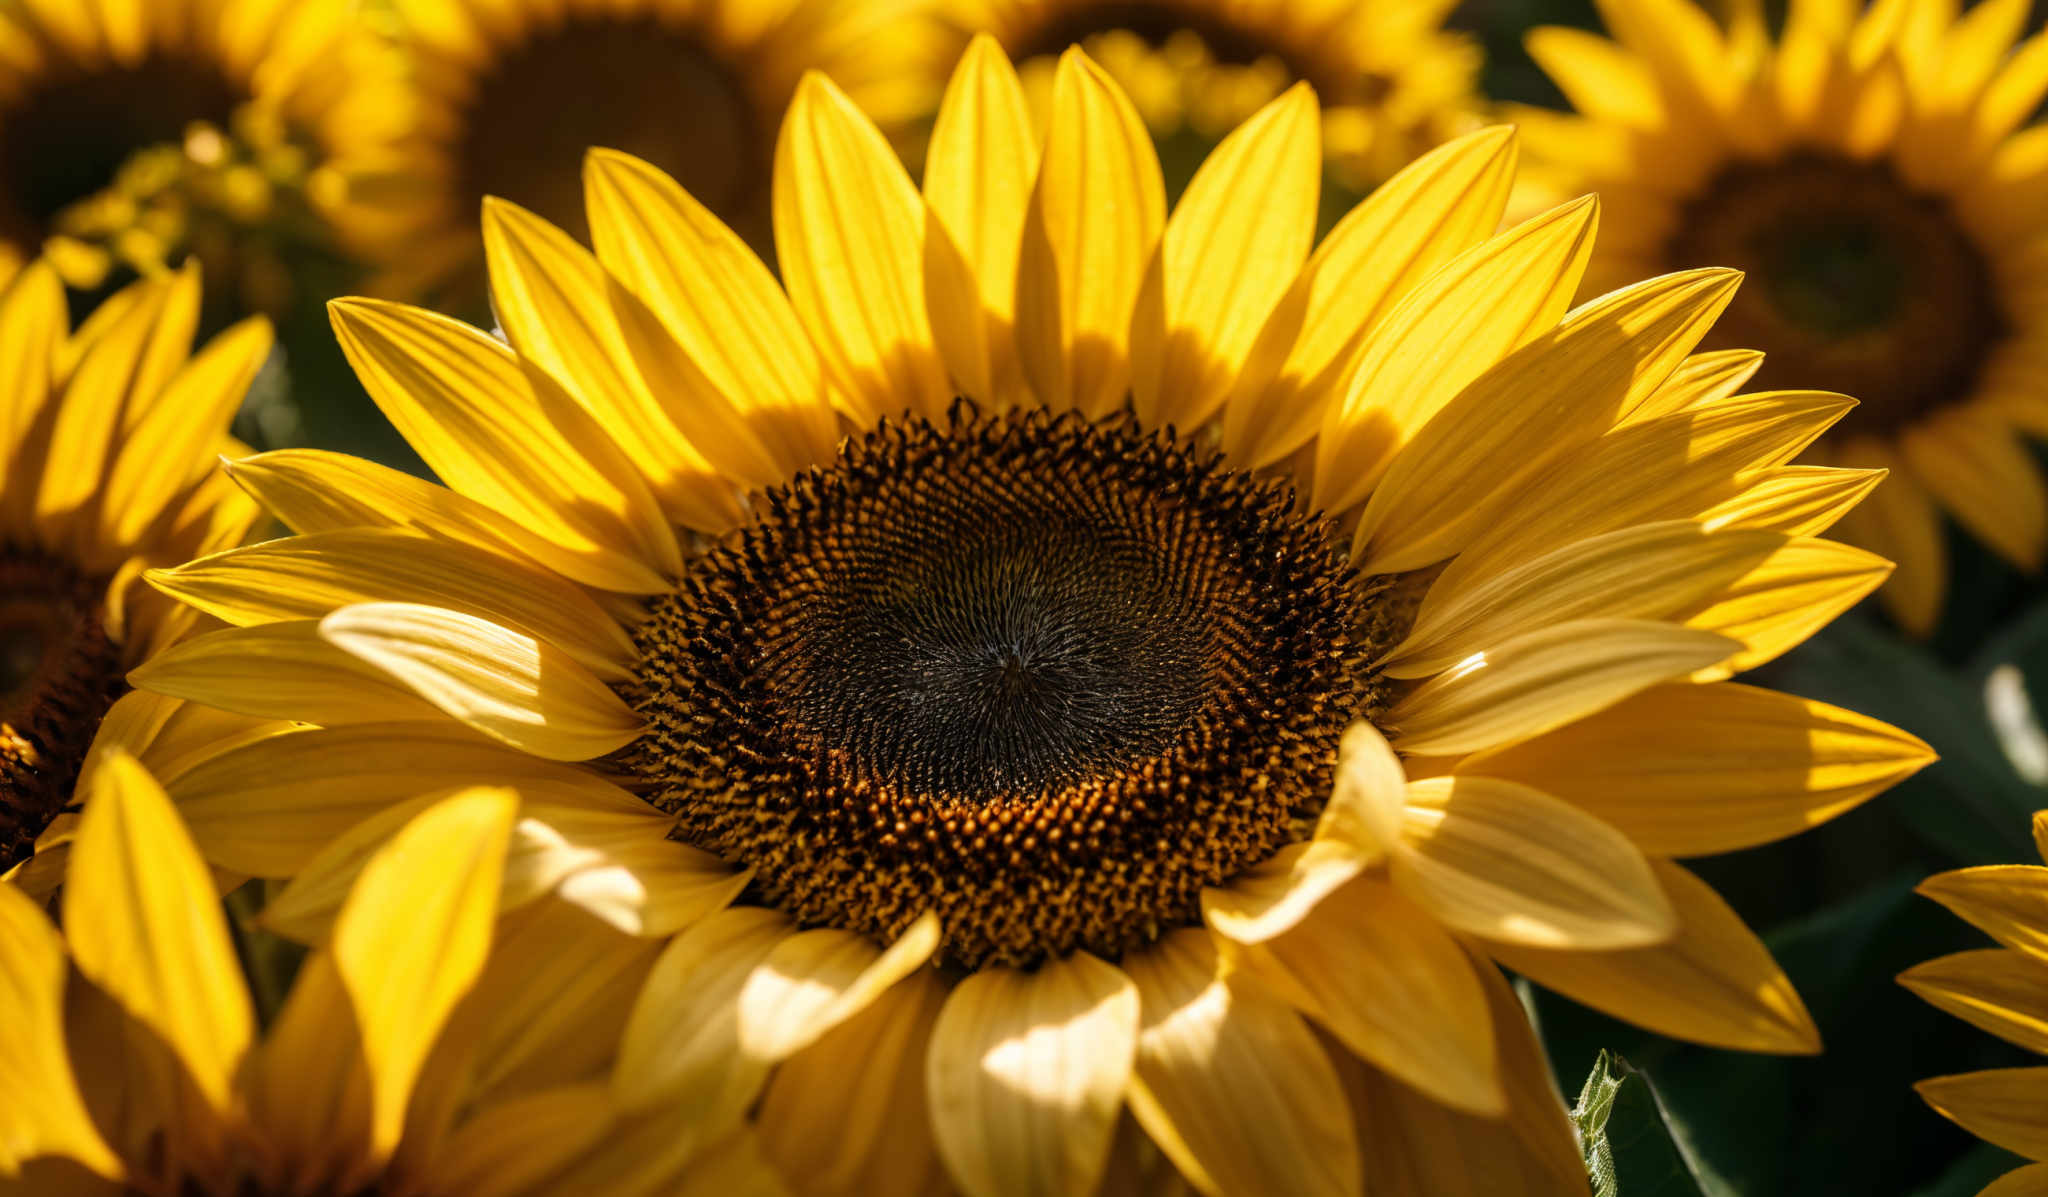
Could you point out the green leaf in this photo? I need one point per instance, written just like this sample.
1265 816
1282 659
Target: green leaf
1630 1144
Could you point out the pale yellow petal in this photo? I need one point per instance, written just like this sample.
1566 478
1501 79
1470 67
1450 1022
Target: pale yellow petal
1231 249
513 687
978 180
1278 892
552 298
1372 966
1439 206
2006 1106
846 1117
681 1042
731 364
1497 859
33 324
309 577
816 979
1714 982
1701 379
1690 770
1472 312
1799 590
311 490
1231 1084
849 229
1980 472
144 922
1467 468
1540 680
502 435
1091 228
2003 901
47 1115
2005 993
1795 500
1026 1073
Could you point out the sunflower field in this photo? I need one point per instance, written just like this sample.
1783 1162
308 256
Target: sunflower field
1023 598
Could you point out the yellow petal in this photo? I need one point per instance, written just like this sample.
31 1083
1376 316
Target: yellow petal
1981 473
1094 220
408 946
47 1115
1690 770
308 577
311 490
1367 792
33 324
2006 1106
174 445
2003 901
1543 679
1233 245
1372 966
977 184
513 687
117 378
1278 892
1799 590
1673 467
1598 77
145 925
682 1040
1900 523
1026 1073
1702 379
1475 310
1231 1084
552 298
279 671
1795 500
514 1148
1467 468
816 979
2031 1181
1500 860
752 395
1713 982
501 435
863 1079
1415 1147
1651 571
849 229
1439 206
2005 993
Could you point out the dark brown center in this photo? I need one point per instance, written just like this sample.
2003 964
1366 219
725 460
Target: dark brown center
1855 284
66 136
1045 677
59 672
646 87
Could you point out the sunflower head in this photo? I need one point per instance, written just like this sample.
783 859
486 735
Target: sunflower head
513 96
1871 177
133 138
108 436
1068 658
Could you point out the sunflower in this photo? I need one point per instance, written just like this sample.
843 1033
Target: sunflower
242 131
108 438
1393 83
1083 662
2002 990
374 1075
1870 173
516 92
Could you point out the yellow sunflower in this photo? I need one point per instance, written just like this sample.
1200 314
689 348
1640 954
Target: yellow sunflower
149 1074
242 131
1108 663
1392 82
1870 173
514 93
108 440
2003 990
